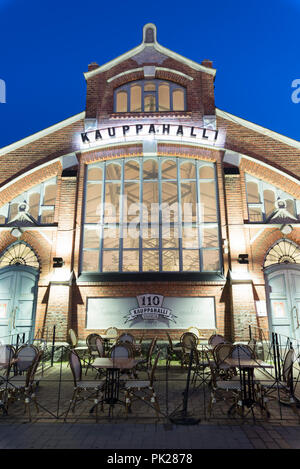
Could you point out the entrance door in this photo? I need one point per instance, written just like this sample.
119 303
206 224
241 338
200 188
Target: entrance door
18 288
283 289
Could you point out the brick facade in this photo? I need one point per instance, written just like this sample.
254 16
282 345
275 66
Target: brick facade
265 155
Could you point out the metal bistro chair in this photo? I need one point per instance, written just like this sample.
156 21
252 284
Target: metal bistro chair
25 356
200 364
100 346
123 350
242 351
91 388
74 341
126 337
101 352
283 389
195 331
92 349
223 390
188 342
24 386
130 339
216 339
142 390
220 353
113 333
146 364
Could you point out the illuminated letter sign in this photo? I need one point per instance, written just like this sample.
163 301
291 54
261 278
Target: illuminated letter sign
172 131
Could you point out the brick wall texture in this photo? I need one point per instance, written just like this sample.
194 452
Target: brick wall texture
62 302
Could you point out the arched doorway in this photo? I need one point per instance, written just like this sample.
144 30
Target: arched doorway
19 271
282 273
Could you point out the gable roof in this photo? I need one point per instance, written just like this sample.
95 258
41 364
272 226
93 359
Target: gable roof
157 48
258 128
42 133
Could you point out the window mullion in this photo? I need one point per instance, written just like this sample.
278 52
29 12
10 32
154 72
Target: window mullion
102 210
160 215
141 189
121 208
179 215
199 221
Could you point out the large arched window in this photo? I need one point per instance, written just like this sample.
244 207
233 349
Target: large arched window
150 96
19 253
40 203
283 251
151 215
262 199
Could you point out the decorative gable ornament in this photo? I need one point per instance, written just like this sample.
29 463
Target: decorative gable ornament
23 217
281 215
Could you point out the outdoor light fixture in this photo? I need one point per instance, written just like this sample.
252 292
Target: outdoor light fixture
225 246
286 229
58 262
243 259
16 232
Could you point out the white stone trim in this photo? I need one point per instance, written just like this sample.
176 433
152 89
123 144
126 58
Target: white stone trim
176 72
184 60
42 133
140 69
258 128
269 166
114 62
234 158
10 183
136 50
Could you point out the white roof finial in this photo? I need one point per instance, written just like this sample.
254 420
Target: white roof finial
149 33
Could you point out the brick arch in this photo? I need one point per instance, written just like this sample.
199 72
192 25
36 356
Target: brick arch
159 75
20 242
36 242
270 175
267 239
30 180
295 255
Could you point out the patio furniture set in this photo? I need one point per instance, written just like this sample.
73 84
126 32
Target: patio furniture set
119 371
18 378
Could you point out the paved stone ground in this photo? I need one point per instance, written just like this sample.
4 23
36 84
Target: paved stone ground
147 436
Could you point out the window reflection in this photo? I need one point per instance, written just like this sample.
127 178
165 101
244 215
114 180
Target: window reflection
40 202
150 220
149 96
262 200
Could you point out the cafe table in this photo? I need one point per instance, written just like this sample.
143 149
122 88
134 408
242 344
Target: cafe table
247 367
113 367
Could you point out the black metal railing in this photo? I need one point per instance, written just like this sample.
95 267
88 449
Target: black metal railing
184 392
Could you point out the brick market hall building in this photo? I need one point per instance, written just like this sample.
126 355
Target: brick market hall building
151 211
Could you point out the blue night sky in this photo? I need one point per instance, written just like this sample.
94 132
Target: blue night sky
47 45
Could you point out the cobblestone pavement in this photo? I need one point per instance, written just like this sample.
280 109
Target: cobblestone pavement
147 436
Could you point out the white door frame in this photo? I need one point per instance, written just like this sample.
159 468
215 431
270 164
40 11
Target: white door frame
274 268
35 273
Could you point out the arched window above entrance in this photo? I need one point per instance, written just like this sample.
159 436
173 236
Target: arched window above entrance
283 251
19 253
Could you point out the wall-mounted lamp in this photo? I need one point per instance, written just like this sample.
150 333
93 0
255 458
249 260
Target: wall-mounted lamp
286 229
16 232
58 262
225 246
243 259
